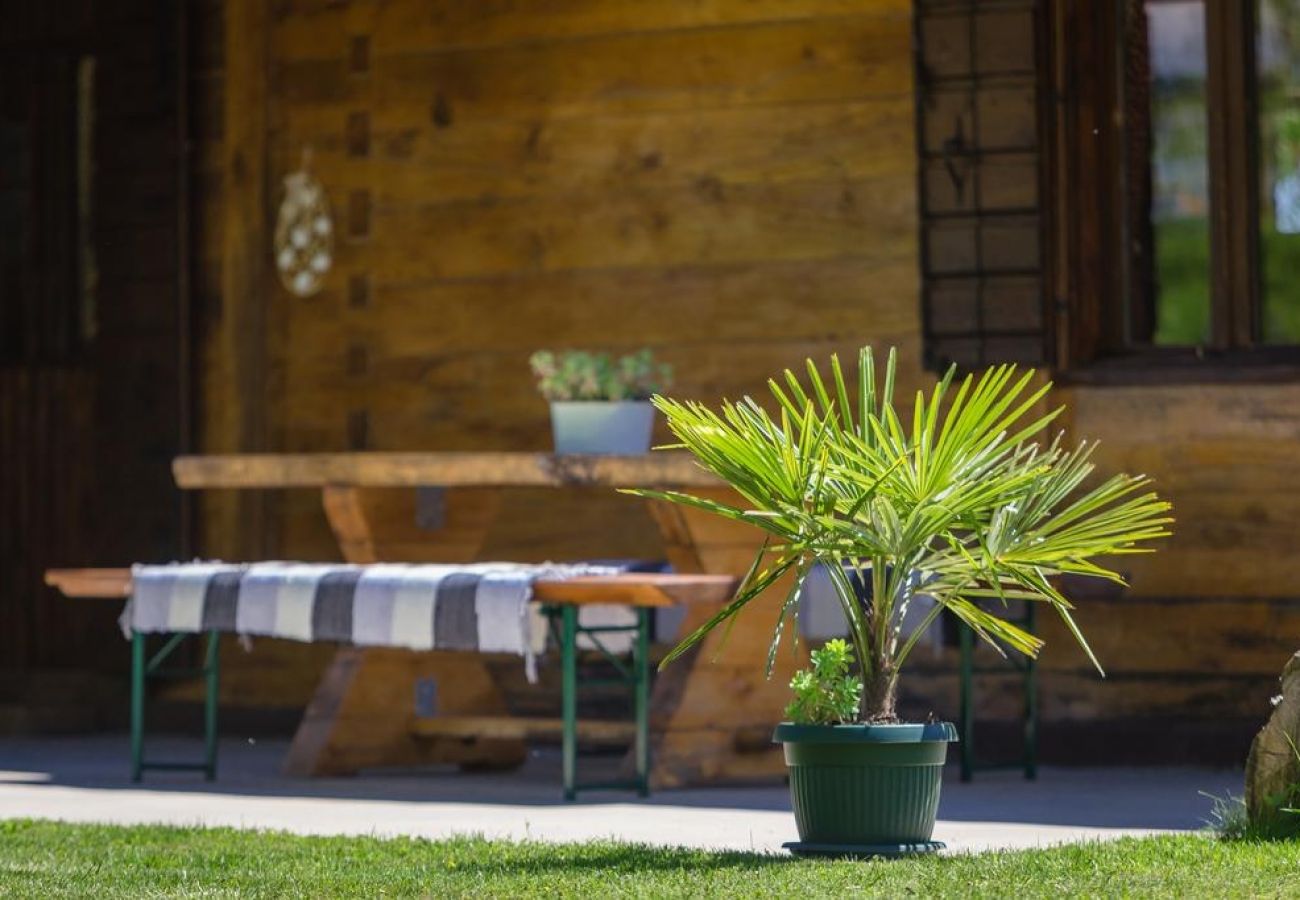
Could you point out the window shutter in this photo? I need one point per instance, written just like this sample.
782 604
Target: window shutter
983 296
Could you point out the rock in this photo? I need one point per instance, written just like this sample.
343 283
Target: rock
1273 766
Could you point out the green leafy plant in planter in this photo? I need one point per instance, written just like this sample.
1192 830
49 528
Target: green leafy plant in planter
826 694
599 404
961 501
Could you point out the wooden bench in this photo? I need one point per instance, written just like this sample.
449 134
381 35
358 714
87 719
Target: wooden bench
562 598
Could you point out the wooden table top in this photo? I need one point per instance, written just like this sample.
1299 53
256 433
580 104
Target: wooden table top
664 469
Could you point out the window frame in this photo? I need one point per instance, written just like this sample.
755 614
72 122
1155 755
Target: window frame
1087 213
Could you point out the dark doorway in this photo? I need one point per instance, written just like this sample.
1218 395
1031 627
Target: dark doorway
94 356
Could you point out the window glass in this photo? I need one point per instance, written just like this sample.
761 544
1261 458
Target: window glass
1277 55
1170 249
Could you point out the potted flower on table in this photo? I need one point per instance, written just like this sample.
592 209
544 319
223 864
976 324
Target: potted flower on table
600 404
959 502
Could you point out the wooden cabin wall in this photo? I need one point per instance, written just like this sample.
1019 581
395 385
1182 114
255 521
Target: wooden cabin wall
1210 620
1193 648
730 184
733 184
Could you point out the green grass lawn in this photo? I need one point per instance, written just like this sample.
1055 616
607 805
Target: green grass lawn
47 859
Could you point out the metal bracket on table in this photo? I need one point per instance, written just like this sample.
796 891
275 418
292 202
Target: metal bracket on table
430 508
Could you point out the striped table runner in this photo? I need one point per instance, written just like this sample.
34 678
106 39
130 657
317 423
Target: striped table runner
483 606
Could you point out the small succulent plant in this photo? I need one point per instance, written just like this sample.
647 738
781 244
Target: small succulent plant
579 375
826 694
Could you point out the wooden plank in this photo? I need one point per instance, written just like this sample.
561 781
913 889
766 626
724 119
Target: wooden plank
1209 411
1212 572
618 154
711 223
310 28
630 589
1229 474
436 469
646 590
761 65
105 583
616 309
1152 637
518 727
470 400
1080 697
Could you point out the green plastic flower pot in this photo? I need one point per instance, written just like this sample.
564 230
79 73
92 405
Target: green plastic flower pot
868 790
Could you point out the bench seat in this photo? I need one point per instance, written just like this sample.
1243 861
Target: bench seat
638 589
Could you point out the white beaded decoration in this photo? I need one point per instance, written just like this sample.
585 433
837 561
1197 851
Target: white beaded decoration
304 233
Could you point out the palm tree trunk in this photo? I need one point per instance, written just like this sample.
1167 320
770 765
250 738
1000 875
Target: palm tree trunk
879 695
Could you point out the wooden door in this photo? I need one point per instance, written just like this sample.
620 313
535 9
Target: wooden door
44 392
92 355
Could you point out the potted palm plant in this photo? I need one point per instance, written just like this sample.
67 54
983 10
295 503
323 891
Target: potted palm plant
961 501
600 404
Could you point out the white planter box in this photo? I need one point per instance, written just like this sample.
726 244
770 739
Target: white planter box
603 427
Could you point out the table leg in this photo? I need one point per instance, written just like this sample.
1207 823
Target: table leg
361 713
712 709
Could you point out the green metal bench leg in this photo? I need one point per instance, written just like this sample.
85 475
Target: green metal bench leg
141 667
1031 705
967 703
1029 733
212 678
137 705
635 677
569 696
642 701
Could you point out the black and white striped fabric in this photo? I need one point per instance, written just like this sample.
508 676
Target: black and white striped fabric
482 606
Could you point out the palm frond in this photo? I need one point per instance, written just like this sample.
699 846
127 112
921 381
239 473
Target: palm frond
963 490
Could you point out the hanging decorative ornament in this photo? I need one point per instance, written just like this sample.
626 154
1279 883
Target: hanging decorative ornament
304 232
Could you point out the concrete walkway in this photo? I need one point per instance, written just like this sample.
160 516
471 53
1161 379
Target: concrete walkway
84 779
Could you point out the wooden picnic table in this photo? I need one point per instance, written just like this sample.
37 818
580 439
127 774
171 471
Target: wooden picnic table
712 711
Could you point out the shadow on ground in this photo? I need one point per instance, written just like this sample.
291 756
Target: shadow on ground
1168 798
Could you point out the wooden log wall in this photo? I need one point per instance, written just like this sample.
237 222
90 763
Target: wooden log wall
730 184
734 185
